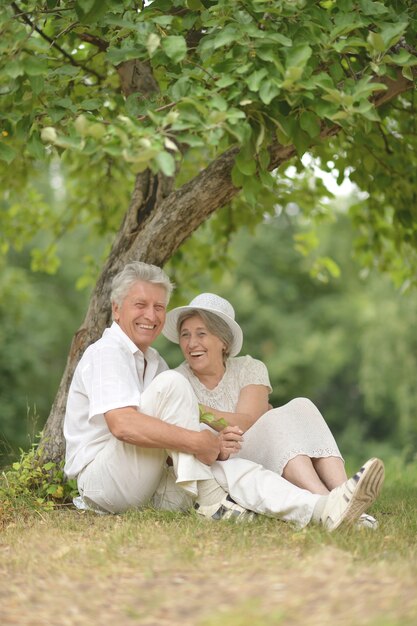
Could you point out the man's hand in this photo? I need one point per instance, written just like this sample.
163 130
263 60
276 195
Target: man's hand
230 442
208 447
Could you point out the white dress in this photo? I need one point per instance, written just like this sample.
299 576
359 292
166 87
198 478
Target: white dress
296 428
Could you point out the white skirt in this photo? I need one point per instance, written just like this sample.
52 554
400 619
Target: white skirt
297 428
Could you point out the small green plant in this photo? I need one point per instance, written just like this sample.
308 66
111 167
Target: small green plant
31 483
218 423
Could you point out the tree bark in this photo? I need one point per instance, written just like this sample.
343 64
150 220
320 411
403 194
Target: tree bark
157 222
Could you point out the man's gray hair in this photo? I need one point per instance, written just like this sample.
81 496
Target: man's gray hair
215 325
131 273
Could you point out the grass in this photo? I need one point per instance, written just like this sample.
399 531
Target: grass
150 568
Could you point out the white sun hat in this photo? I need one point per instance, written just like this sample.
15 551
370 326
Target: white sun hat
206 302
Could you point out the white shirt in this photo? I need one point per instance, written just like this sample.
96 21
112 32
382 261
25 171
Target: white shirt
110 375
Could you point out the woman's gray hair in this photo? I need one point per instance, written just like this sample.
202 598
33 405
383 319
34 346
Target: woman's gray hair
214 323
131 273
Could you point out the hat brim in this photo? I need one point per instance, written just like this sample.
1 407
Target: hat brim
170 329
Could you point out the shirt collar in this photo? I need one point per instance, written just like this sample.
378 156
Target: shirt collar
150 354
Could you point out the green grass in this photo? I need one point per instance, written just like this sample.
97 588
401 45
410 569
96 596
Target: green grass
146 568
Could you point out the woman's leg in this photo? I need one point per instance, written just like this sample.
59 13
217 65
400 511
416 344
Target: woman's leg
301 471
294 430
330 470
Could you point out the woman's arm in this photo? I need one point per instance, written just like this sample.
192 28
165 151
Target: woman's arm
251 404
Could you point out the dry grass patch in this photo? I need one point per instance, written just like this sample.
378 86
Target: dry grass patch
152 568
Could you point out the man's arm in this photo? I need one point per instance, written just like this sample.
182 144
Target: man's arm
139 429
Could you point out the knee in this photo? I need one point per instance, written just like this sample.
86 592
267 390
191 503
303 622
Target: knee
171 381
170 378
302 404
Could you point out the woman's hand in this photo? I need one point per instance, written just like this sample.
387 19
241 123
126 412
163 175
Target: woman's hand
230 442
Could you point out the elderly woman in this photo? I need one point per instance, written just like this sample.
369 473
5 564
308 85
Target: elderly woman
293 440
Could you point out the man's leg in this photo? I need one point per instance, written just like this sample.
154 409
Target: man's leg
171 398
265 492
124 476
121 476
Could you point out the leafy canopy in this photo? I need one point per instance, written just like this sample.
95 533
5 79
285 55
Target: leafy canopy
113 87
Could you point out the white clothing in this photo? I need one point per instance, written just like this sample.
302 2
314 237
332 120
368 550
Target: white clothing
240 372
265 492
123 475
251 486
114 476
297 428
108 376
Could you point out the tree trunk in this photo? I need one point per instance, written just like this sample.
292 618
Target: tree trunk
157 222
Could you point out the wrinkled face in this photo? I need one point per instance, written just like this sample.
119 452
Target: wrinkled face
202 350
142 313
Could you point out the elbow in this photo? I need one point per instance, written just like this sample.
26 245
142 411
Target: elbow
249 421
119 433
117 428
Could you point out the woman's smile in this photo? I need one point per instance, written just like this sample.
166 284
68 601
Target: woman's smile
202 350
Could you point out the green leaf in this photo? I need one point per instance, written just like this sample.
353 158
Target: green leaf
392 33
344 25
254 80
152 43
225 81
301 141
245 161
310 123
212 420
118 55
365 87
227 35
268 91
14 69
7 153
90 104
376 41
372 8
402 58
37 84
298 55
85 5
66 70
195 5
35 66
218 102
175 47
407 72
166 163
237 177
292 75
35 147
89 11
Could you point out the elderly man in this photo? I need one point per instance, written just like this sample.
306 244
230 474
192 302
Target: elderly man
126 414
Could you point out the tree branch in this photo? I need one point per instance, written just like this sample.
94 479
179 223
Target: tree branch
64 53
95 41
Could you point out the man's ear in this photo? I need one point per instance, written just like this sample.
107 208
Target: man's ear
115 311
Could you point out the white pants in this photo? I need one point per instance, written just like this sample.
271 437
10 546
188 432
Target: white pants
123 476
250 485
265 492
